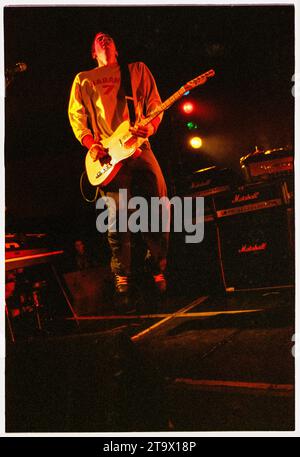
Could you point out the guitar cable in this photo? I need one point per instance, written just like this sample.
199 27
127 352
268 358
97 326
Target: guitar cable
82 192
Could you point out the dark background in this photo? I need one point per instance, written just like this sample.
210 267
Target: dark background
248 103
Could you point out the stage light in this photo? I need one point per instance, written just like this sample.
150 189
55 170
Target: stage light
191 125
188 107
196 142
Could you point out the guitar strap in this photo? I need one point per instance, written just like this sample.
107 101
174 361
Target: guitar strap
127 90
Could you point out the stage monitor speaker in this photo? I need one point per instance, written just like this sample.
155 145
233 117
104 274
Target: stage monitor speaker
255 249
81 383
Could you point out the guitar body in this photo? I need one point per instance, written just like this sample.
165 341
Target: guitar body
121 145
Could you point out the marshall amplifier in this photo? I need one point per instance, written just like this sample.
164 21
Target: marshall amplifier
249 198
264 165
211 181
254 241
209 211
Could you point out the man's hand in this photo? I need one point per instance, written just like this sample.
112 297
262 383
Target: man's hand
97 151
144 132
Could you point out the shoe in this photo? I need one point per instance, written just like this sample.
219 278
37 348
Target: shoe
160 282
121 284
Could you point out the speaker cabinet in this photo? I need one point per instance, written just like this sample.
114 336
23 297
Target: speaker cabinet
248 241
255 249
195 268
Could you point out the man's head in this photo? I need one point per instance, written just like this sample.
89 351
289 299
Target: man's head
79 246
104 49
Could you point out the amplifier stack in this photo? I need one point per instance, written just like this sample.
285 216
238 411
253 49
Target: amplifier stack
254 237
248 232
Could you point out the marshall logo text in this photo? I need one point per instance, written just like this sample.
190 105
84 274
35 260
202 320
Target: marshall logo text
254 248
244 198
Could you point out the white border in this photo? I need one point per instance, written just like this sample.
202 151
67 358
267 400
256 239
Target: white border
297 135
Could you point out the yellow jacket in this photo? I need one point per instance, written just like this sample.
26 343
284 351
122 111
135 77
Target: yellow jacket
97 108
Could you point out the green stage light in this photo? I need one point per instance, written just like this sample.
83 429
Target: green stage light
191 125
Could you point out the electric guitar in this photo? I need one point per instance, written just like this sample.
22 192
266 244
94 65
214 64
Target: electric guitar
123 144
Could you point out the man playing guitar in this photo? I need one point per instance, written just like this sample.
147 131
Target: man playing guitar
98 106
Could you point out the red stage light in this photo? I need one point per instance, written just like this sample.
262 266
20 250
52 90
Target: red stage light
188 107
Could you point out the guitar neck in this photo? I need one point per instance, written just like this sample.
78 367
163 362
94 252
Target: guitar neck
164 106
176 96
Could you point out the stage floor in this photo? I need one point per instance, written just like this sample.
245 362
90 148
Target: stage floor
225 363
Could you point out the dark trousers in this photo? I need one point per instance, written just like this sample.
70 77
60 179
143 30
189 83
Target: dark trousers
140 176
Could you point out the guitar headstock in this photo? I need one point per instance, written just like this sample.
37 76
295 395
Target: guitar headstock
201 79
